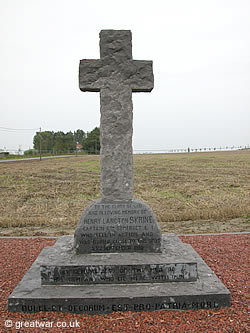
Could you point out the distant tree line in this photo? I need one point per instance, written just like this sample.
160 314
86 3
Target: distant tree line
60 142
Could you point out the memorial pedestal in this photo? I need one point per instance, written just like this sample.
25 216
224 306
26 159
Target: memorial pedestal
118 260
62 281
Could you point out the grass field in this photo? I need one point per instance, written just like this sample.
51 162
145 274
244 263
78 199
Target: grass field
189 193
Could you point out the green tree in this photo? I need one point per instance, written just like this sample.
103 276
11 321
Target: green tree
47 141
69 143
79 136
31 152
92 142
59 142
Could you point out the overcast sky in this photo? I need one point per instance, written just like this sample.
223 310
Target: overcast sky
201 61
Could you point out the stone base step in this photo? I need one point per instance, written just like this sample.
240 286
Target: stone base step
60 265
205 293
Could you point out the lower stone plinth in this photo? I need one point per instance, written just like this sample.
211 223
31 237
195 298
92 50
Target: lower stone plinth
205 293
117 226
60 265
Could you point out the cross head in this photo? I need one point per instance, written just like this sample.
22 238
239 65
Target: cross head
116 75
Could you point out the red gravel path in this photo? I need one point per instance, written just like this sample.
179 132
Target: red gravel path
227 255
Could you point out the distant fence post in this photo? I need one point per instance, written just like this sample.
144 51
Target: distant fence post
40 143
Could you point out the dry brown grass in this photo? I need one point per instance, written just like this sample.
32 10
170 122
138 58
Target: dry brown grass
199 192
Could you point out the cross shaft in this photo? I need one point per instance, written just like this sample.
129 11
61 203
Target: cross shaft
116 75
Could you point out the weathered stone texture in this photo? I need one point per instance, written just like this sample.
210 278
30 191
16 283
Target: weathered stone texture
207 292
62 266
117 226
116 75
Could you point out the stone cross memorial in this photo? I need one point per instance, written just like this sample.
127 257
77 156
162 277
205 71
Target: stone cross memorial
118 260
116 75
117 223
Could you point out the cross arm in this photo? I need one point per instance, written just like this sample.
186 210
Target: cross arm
142 79
89 75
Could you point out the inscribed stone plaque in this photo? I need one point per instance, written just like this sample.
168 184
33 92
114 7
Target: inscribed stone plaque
105 274
117 226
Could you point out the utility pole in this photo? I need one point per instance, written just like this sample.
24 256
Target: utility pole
40 143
